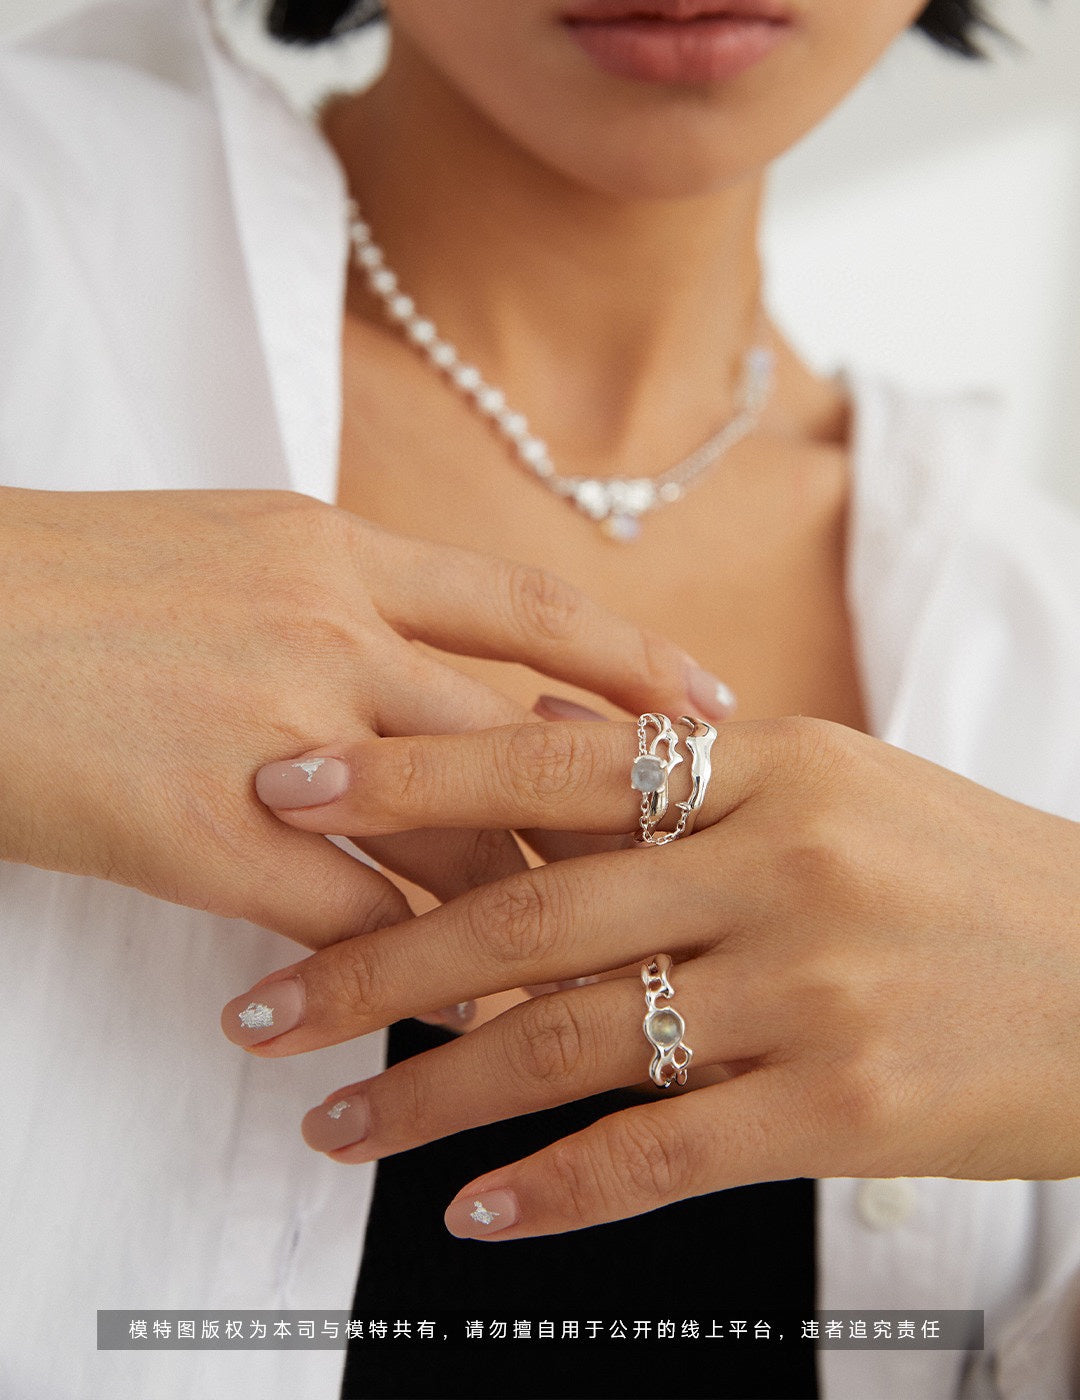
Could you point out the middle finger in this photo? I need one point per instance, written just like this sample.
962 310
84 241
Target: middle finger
551 776
545 925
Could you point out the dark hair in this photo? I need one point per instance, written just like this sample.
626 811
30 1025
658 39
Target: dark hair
954 24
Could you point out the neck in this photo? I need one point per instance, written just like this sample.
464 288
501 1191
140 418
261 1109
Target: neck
617 326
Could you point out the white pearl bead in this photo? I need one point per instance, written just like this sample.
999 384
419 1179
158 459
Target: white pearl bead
360 231
400 307
491 401
467 377
420 332
514 425
441 353
532 450
670 491
369 255
383 281
543 468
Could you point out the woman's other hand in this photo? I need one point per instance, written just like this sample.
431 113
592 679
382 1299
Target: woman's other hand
877 962
158 647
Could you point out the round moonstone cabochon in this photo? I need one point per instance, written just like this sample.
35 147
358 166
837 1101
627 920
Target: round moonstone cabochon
648 774
665 1028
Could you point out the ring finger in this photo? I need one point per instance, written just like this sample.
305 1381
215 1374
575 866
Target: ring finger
549 1051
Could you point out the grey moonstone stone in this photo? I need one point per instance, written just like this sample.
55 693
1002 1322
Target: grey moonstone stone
665 1028
648 774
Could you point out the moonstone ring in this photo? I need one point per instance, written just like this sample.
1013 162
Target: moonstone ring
652 768
663 1026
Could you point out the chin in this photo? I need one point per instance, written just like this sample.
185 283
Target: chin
655 144
628 175
634 159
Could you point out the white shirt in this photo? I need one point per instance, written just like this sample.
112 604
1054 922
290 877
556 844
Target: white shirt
172 260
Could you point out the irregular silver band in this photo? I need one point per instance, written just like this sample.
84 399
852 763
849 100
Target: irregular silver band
699 741
652 770
663 1026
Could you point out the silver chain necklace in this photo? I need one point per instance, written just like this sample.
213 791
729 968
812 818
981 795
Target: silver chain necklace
616 505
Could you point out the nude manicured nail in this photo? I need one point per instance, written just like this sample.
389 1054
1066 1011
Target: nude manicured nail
715 700
261 1014
452 1017
307 782
554 707
481 1213
337 1124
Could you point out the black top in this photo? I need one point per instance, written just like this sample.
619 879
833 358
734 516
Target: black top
745 1254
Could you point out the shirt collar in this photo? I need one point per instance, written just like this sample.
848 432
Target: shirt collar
290 206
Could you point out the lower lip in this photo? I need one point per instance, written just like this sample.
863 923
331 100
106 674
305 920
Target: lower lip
701 50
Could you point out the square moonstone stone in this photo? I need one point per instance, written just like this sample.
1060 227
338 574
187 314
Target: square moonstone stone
648 774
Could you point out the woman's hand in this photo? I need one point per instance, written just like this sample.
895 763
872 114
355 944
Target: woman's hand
878 959
158 647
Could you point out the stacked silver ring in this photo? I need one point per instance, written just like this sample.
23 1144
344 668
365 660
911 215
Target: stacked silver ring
651 772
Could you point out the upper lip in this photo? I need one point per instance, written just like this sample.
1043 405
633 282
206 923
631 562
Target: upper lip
612 11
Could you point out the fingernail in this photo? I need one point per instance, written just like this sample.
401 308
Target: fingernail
710 695
264 1012
308 782
450 1016
542 989
338 1123
552 707
478 1214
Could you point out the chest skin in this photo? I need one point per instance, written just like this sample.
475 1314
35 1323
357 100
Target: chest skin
746 573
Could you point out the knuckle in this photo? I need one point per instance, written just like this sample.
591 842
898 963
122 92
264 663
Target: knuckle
543 604
660 665
395 780
486 855
858 1104
583 1186
309 528
382 910
815 853
546 761
517 920
807 747
310 628
348 986
545 1044
654 1162
410 1105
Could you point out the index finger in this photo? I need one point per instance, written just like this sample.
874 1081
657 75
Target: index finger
479 605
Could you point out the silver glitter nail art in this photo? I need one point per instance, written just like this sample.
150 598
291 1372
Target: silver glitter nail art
337 1109
256 1015
481 1214
310 766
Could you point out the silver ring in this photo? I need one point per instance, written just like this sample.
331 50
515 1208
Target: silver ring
699 741
663 1026
650 774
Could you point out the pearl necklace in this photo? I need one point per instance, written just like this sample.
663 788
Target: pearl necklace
616 505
